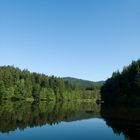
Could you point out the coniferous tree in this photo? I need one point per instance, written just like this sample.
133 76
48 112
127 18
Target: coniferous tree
124 86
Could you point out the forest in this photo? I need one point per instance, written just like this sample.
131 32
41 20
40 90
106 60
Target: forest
17 84
123 87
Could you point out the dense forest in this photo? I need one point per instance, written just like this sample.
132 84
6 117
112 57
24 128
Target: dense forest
19 84
123 87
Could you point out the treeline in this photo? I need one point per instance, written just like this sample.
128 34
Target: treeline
123 86
19 84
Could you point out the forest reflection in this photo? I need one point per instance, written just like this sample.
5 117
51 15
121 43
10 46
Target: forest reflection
123 119
22 114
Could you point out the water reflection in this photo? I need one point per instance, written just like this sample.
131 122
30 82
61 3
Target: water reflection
20 115
123 119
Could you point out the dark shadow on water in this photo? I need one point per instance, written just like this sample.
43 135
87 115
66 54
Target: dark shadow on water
123 119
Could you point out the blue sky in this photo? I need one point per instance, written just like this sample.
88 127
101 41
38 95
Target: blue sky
87 39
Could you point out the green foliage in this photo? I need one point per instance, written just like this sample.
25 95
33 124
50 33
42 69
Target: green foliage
47 94
19 84
123 87
2 89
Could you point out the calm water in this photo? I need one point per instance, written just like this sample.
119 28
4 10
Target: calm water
68 121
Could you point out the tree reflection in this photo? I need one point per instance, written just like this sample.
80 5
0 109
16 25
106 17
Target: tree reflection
123 119
22 114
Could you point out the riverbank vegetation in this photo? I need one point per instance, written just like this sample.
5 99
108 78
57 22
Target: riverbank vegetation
123 87
16 84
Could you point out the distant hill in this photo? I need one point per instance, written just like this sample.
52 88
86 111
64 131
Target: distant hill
83 83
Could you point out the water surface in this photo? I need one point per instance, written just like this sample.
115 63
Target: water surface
71 121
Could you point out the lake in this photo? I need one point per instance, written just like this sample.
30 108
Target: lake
68 121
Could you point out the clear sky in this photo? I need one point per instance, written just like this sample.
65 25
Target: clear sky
87 39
